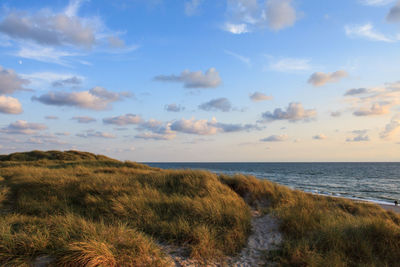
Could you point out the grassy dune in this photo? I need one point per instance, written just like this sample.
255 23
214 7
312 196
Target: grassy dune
82 209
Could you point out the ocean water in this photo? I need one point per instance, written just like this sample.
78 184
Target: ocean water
377 182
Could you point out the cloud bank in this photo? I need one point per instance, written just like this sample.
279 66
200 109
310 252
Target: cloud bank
219 104
205 127
258 97
392 128
294 112
275 138
173 108
321 78
367 31
123 119
195 79
97 98
23 127
246 16
10 81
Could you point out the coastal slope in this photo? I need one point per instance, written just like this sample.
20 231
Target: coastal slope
79 209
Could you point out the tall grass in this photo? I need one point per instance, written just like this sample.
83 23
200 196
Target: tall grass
187 208
325 231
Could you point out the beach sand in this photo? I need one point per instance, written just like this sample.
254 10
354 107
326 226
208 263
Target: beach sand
391 207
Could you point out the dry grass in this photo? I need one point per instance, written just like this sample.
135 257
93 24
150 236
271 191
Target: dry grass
324 231
188 208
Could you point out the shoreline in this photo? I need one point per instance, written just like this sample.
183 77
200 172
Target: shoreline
385 206
384 203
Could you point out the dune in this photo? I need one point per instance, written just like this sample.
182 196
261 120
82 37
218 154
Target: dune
75 209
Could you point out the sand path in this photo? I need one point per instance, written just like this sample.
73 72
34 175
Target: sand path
265 236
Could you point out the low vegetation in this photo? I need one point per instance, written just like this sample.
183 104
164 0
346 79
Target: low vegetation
80 209
325 231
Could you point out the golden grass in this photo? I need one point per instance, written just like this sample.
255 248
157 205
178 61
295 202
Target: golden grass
188 208
325 231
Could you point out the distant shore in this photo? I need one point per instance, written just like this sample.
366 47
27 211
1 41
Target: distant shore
389 207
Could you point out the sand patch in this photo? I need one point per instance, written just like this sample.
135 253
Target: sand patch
265 237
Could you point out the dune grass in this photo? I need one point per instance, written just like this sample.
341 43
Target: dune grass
325 231
47 202
82 209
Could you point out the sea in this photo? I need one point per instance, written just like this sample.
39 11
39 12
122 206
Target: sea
377 182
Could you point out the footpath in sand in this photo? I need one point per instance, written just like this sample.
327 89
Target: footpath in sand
265 237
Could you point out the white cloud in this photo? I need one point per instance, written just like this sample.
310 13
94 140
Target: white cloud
10 105
205 127
294 112
290 64
44 79
392 128
195 79
375 100
257 97
23 127
72 9
219 104
49 28
173 108
366 31
248 15
156 130
321 78
360 136
123 119
45 54
356 91
192 126
275 138
280 14
97 98
375 109
50 36
70 81
10 81
236 28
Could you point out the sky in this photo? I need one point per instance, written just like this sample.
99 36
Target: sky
202 80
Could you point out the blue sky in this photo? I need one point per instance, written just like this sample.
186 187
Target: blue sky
202 80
